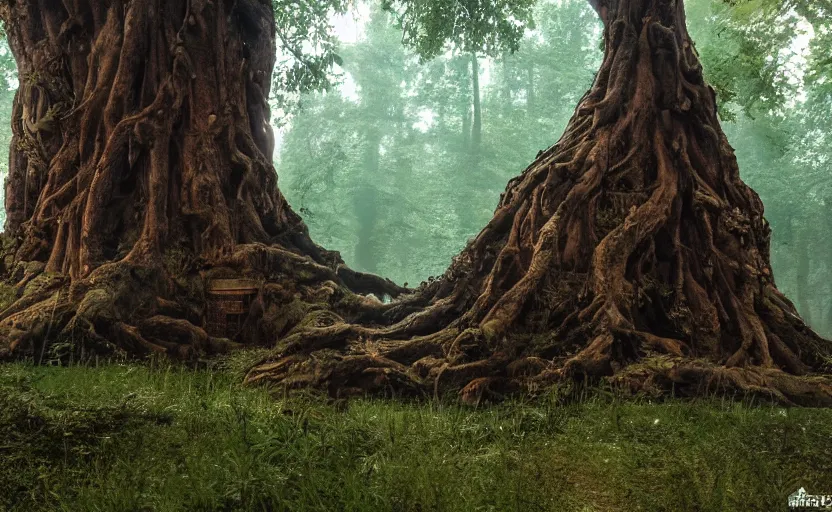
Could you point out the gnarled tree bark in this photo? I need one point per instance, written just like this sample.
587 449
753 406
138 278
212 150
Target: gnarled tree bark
140 170
629 250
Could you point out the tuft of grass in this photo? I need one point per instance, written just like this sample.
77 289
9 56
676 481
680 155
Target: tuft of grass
162 437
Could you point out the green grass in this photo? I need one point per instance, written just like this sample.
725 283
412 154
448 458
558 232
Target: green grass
162 437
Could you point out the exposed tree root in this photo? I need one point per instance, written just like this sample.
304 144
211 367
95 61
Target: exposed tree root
631 240
141 172
124 308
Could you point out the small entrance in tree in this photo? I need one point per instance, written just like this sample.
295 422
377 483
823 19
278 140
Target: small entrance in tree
229 301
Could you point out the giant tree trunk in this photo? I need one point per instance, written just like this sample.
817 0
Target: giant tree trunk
141 170
629 250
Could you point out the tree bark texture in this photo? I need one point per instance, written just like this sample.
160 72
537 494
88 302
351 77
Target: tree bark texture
141 168
631 250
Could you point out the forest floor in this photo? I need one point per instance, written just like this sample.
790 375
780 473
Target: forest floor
161 437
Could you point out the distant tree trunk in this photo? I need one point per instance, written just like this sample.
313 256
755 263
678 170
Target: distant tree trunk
804 269
630 250
476 129
470 180
466 129
462 192
465 109
505 89
531 103
366 205
141 170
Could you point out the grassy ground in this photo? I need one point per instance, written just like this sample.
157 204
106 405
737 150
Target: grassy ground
160 438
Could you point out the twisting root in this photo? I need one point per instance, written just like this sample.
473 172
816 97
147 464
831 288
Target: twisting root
141 170
629 250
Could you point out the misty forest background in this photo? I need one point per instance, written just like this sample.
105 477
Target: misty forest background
396 161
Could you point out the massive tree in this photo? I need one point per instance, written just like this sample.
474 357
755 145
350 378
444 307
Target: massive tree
141 170
631 250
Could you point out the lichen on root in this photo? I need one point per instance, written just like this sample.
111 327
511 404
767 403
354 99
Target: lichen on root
633 239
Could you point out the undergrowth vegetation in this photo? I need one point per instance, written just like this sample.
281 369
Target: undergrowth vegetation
160 437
